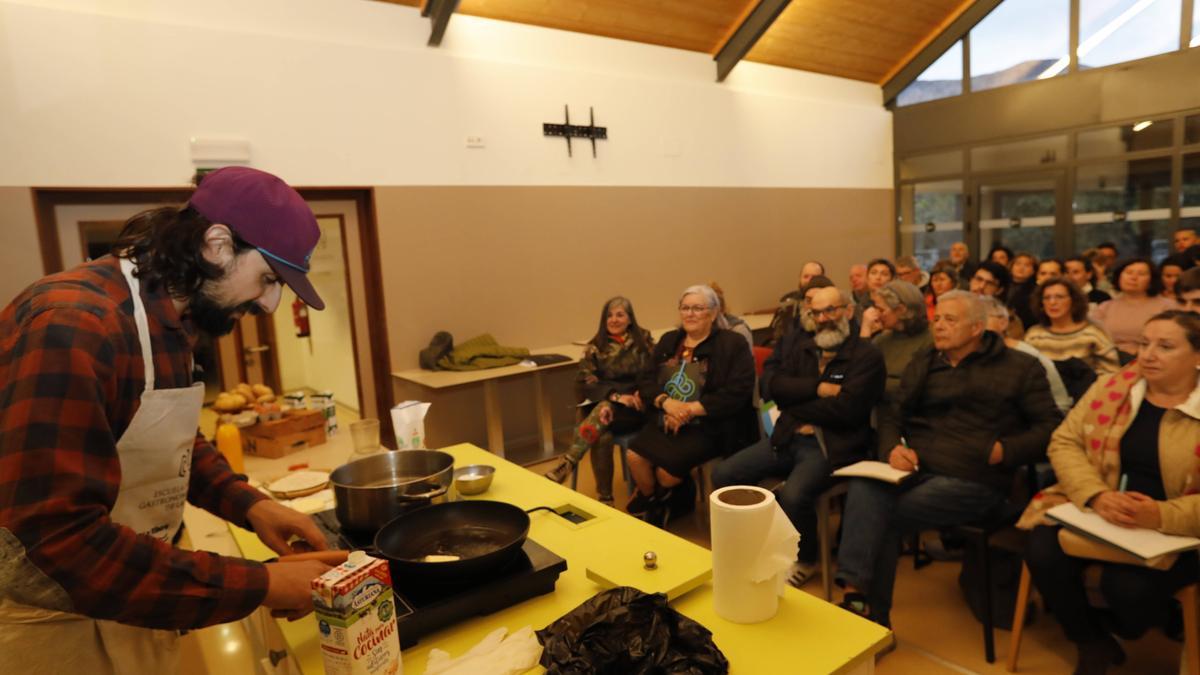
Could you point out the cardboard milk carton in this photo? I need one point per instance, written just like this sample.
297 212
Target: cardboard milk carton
356 617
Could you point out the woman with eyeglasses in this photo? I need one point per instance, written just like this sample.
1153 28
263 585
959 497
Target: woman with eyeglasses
1063 331
701 398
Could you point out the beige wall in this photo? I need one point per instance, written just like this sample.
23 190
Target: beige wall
533 265
20 254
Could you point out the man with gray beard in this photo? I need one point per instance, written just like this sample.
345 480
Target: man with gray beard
825 385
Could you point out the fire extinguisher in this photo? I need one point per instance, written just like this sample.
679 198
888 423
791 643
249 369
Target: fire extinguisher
300 318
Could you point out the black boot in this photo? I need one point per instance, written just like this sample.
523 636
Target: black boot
1096 657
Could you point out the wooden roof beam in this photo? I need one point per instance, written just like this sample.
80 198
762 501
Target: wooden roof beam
759 16
439 12
961 22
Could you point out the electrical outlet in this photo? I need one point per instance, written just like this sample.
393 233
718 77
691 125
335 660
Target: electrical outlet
475 142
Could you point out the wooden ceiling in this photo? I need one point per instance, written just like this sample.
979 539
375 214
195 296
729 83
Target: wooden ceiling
868 40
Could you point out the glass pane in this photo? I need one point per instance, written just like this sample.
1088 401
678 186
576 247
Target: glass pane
1127 203
1195 28
1020 40
1190 192
1143 135
941 79
1191 129
931 220
1112 31
941 164
1046 150
1019 216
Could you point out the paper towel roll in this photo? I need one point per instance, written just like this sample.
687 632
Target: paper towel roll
753 547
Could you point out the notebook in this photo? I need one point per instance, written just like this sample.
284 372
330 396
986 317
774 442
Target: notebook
1139 541
871 469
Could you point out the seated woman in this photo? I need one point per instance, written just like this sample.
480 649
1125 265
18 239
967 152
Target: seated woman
1139 299
1082 273
1063 331
702 392
615 360
1138 430
942 278
1023 268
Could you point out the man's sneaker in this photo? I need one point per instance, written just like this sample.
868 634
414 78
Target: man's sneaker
801 572
562 472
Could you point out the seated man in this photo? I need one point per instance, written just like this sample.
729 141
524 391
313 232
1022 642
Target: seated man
968 413
825 385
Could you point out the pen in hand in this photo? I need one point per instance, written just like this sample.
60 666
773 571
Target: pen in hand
904 442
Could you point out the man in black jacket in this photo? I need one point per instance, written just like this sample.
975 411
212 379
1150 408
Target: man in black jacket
825 386
968 413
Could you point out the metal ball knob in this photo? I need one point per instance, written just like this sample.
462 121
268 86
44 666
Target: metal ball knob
650 560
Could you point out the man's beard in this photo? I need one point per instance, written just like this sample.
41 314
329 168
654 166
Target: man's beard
807 322
213 318
830 336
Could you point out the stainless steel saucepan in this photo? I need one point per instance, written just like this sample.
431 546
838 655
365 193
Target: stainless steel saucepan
371 491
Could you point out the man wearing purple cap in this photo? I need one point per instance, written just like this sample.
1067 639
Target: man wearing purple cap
99 447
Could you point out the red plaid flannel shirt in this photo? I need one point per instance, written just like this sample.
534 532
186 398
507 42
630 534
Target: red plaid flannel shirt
71 379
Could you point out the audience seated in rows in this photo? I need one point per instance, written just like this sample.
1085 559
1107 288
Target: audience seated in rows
968 413
700 393
1139 299
1140 425
1063 331
615 361
825 385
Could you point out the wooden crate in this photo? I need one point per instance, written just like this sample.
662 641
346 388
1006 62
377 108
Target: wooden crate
295 431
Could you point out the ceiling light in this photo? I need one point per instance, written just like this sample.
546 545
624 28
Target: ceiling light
1142 125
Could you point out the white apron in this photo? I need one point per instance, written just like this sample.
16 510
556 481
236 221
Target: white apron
156 459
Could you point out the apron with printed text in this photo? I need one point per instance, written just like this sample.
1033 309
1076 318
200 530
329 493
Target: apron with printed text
156 458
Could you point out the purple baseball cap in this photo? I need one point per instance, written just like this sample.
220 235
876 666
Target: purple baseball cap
270 216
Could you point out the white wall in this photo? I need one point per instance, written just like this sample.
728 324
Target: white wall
344 92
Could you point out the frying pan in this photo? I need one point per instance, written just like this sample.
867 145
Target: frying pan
485 535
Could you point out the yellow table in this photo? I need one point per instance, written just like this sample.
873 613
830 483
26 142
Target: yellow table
808 635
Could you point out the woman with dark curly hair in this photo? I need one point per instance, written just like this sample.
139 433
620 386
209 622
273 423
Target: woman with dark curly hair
614 361
1139 298
1063 332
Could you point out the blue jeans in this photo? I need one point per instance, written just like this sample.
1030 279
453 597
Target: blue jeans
805 472
878 514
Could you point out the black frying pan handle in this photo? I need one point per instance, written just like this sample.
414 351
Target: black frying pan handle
541 508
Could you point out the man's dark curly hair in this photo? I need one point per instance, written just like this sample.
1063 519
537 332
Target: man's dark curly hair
168 246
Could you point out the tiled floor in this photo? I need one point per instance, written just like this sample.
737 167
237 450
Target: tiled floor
936 631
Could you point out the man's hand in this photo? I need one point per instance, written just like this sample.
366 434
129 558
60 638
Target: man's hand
902 458
289 587
828 390
871 324
1120 508
606 415
997 454
275 523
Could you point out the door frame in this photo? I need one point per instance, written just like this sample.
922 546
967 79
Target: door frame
1063 222
47 199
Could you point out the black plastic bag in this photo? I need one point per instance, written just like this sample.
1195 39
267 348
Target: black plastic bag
626 631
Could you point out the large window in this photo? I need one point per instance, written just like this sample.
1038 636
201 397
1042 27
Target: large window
1132 137
1127 203
1189 194
1023 40
941 79
931 219
1112 31
1019 215
1020 40
1019 154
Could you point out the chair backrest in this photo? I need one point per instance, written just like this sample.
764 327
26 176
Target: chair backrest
761 354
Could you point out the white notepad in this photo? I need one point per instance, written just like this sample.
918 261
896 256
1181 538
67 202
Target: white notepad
871 469
1139 541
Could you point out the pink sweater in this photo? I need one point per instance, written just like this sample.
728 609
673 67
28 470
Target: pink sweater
1123 318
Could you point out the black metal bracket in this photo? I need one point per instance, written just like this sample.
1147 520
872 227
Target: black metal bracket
568 131
756 22
439 12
